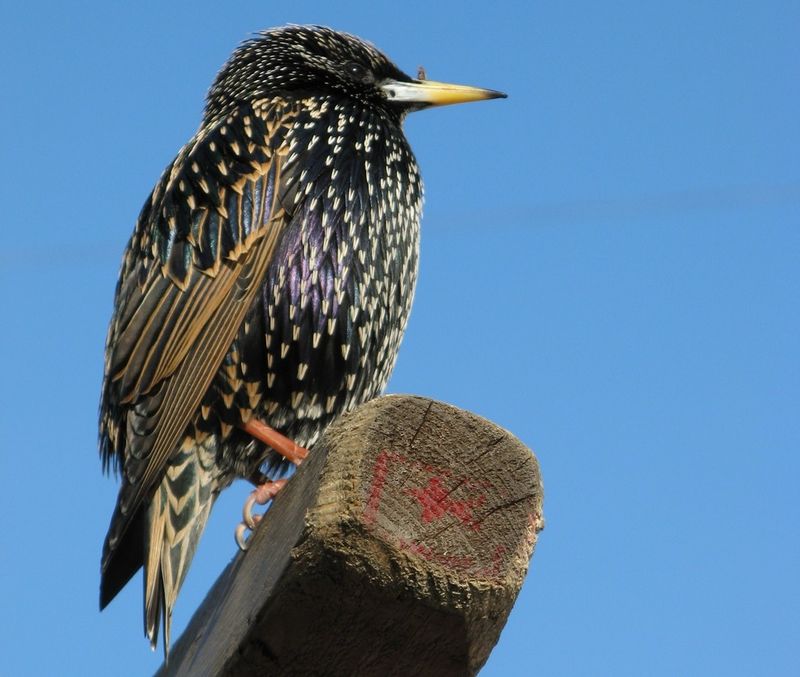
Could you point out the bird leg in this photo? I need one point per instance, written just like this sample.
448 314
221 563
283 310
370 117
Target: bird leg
266 490
272 438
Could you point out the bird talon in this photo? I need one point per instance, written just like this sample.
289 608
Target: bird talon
260 495
247 511
241 541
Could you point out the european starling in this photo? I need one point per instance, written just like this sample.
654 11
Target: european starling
264 291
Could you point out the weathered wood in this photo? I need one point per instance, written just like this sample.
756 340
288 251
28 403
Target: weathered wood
398 548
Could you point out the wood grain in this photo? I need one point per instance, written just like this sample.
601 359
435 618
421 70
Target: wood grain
398 548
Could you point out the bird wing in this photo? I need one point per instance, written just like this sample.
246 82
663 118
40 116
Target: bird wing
196 260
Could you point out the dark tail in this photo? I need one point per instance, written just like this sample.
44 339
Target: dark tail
178 514
163 537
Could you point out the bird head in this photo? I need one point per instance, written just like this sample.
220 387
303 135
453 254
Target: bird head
296 61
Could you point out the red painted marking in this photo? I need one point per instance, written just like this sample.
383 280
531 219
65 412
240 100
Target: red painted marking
436 502
380 472
497 559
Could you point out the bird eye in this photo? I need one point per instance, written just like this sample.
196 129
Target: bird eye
358 72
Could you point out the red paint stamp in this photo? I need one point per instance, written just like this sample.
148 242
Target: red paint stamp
379 473
436 502
429 490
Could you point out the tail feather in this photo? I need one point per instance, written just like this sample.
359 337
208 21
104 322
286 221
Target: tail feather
177 516
122 556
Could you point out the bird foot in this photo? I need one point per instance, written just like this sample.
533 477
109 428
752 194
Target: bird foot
267 490
261 495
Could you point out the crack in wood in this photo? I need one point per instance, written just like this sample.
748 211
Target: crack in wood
421 423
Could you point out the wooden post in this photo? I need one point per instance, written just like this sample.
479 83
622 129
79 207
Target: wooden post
398 548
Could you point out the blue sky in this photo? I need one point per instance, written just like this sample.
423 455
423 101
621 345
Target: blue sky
610 268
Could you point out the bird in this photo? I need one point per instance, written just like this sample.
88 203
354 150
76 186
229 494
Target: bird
263 293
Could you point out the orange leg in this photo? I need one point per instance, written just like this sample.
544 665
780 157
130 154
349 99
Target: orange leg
272 438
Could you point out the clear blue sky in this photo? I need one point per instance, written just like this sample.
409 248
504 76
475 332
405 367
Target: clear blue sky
610 269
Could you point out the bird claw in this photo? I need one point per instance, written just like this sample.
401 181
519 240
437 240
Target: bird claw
261 495
241 541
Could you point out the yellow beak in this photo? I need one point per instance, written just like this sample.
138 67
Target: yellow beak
432 93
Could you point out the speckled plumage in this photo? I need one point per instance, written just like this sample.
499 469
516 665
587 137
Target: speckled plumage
270 276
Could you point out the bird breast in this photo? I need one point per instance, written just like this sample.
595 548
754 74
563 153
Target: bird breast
338 292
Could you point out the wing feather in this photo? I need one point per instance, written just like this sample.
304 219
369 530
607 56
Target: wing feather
194 265
186 387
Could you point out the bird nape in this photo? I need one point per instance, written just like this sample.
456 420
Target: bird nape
263 293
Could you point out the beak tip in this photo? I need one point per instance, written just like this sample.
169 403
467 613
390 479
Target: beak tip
489 94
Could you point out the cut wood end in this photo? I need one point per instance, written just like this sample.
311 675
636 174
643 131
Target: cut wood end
398 548
437 489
